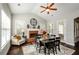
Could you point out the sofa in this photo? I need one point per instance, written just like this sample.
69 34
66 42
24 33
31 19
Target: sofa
17 40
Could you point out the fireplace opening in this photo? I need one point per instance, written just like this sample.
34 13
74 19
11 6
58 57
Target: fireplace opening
32 34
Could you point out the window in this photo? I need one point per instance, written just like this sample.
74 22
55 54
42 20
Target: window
61 29
5 29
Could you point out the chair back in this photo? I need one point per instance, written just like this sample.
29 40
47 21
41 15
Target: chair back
50 39
57 42
58 38
50 44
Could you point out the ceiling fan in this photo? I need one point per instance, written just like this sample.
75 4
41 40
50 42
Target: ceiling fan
48 8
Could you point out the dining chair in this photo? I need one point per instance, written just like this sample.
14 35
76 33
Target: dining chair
40 46
50 46
37 40
57 44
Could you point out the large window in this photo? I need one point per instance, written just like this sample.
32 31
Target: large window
61 29
5 30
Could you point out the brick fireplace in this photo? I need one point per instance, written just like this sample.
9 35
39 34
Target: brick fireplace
31 33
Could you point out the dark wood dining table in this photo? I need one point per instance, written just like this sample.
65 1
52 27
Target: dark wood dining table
46 41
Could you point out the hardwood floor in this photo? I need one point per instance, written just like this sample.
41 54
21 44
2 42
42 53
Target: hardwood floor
15 50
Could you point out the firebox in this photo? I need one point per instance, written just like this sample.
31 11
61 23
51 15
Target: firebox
32 34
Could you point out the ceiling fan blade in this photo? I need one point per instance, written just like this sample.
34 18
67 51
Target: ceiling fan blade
43 10
53 8
51 4
42 6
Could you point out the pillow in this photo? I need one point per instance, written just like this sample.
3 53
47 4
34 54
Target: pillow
17 37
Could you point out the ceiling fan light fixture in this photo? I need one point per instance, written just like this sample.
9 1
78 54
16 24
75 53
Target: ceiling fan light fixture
47 10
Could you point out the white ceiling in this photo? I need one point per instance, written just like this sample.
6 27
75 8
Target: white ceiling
23 8
63 8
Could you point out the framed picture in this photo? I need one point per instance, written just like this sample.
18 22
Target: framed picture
33 22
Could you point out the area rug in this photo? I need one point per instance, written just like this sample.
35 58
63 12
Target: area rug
31 50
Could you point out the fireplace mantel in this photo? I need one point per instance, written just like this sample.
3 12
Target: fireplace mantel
33 29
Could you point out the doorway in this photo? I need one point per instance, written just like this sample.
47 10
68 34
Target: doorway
76 32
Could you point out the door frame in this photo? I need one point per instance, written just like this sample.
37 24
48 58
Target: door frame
75 19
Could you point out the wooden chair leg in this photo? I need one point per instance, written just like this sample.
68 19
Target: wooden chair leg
59 48
44 50
53 51
48 51
56 49
39 50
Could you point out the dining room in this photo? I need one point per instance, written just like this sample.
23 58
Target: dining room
33 30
